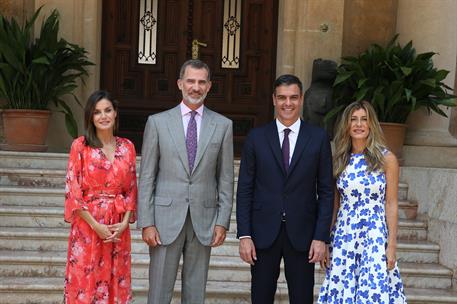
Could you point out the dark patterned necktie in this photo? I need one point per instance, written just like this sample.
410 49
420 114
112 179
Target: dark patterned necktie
286 149
191 140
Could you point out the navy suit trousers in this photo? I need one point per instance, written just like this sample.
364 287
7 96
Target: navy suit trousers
299 273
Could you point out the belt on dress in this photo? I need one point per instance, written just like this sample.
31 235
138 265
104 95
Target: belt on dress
115 199
93 195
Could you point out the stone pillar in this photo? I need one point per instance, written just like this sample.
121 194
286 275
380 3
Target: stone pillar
367 22
287 24
432 26
307 30
81 22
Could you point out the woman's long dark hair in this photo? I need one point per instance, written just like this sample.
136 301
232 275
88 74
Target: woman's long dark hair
90 133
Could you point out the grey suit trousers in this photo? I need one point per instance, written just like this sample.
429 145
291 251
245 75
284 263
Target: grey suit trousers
164 263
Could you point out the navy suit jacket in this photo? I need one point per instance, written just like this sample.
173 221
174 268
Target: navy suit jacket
265 189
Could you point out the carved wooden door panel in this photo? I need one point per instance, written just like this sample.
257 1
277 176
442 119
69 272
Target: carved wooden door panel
241 92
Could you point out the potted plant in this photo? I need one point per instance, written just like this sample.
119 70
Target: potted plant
396 81
35 73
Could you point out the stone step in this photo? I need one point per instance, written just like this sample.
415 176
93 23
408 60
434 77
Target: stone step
417 251
50 291
56 239
52 216
33 217
18 290
32 197
412 229
425 275
222 268
430 296
402 191
36 178
50 161
26 196
407 209
31 177
29 196
37 160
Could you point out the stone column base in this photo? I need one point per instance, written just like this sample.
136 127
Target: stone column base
430 156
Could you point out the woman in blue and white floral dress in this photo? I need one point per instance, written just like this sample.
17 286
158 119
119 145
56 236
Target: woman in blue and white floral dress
361 265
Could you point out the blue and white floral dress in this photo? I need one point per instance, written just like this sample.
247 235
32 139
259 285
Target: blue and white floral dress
358 271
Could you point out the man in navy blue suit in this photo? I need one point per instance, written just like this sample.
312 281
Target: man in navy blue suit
285 198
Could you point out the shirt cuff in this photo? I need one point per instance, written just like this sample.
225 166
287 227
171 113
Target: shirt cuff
245 237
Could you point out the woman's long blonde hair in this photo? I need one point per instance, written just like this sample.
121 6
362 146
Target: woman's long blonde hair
375 148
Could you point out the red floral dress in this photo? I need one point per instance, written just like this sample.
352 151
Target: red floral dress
97 272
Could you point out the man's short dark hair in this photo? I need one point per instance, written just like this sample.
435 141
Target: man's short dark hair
287 80
196 64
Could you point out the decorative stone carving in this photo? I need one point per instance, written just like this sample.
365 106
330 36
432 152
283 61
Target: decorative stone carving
318 97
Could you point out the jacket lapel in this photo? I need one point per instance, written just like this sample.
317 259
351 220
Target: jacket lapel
176 129
302 140
273 139
207 128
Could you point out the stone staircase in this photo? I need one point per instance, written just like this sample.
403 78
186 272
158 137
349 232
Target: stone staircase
33 244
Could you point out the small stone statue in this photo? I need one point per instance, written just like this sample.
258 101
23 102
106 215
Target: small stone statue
318 97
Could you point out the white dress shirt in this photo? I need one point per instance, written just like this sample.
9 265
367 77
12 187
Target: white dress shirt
185 113
293 135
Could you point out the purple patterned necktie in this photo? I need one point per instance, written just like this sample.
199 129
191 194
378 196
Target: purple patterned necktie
286 149
191 140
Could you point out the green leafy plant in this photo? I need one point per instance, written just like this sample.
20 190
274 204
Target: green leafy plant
37 72
394 79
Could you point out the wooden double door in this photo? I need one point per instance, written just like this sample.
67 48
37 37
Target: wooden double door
243 94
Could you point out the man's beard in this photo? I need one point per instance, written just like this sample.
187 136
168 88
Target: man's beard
194 100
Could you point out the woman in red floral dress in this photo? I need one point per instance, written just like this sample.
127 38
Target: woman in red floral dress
100 202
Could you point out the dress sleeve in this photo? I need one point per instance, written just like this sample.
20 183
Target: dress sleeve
73 181
131 193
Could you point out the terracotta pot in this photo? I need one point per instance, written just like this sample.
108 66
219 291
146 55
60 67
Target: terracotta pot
395 137
25 130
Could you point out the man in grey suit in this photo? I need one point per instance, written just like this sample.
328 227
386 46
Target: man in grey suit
185 188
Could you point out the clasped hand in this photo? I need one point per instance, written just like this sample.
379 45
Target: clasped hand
110 233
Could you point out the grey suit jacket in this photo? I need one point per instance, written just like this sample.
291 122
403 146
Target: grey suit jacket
167 190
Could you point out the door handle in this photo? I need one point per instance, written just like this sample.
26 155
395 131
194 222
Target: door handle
195 47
